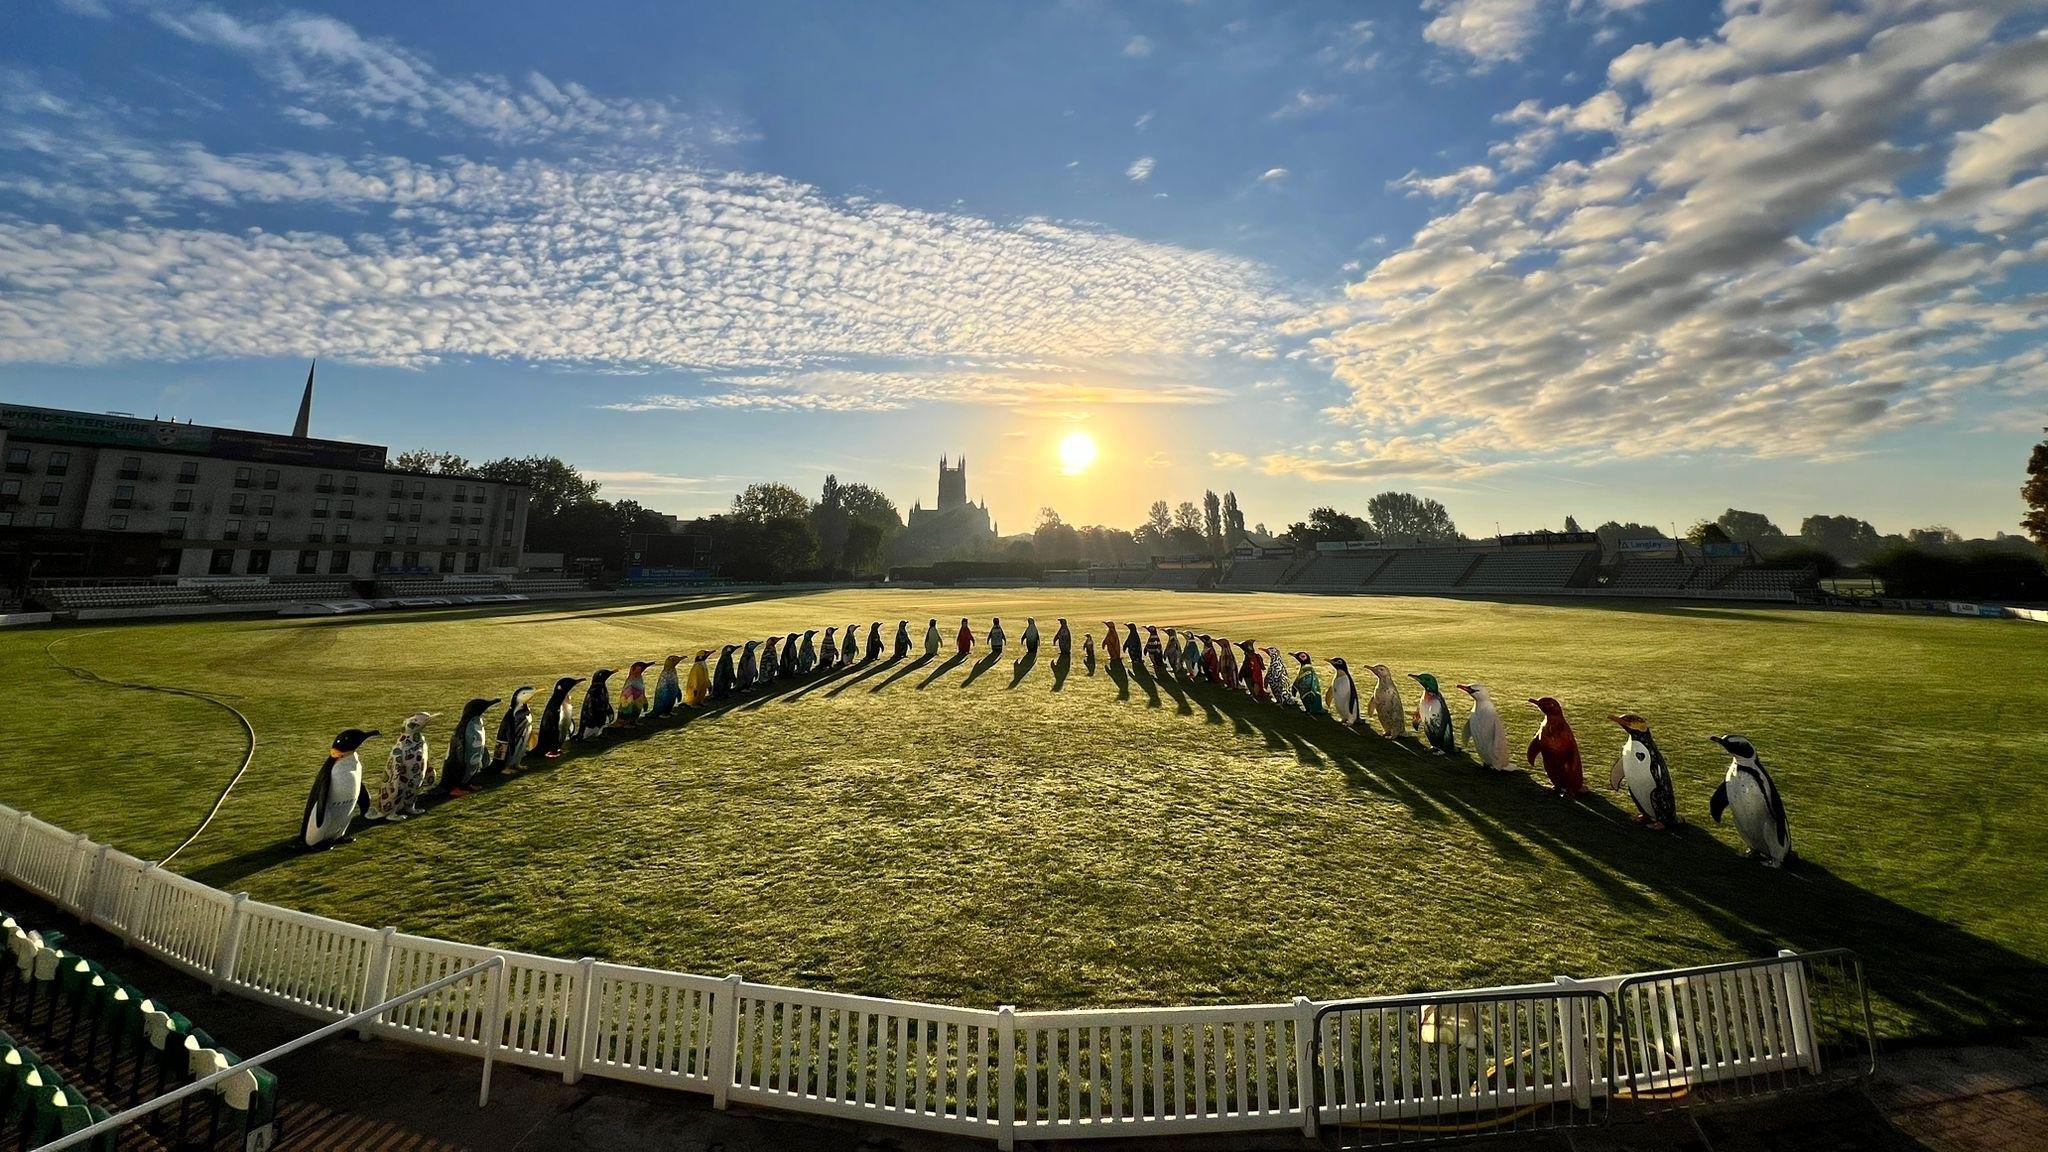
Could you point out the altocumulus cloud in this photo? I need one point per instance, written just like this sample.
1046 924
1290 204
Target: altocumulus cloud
1785 237
635 259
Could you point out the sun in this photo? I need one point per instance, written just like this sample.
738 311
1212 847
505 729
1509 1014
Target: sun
1077 452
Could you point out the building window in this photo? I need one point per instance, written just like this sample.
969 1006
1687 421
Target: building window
320 509
117 523
348 485
380 561
10 491
347 511
412 535
259 562
46 519
124 496
6 519
244 477
232 530
504 559
17 459
267 506
419 489
337 564
415 514
472 562
262 530
238 502
309 563
177 527
461 492
221 563
410 560
479 498
391 533
188 473
324 482
53 495
505 539
475 538
341 533
270 478
447 562
391 512
454 537
59 464
315 536
181 500
131 467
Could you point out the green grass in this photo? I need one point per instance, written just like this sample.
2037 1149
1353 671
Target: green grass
947 834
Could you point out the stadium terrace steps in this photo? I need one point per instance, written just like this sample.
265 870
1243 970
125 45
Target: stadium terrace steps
1425 570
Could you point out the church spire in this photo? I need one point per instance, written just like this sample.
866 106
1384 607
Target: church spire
301 426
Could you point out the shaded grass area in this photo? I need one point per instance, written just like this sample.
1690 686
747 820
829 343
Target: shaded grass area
970 832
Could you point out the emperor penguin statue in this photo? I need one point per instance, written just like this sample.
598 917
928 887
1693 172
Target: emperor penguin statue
1484 730
668 688
633 695
337 791
557 720
1752 795
1342 694
598 712
515 732
1640 768
1387 708
467 749
1134 648
1433 715
697 688
1559 749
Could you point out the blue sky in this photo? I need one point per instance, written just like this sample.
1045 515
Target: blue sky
1636 259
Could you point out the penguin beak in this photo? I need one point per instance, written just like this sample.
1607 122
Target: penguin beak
372 732
1722 741
1616 719
1414 677
1466 689
1534 704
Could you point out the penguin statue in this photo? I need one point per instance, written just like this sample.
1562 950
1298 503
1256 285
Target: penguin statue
1342 694
931 638
764 673
874 643
849 646
1088 652
1134 648
1030 638
807 654
1277 684
1560 750
468 752
1752 795
337 792
633 695
1226 658
1386 703
515 733
995 636
697 687
1308 684
598 713
902 639
557 720
1640 768
1253 670
1063 642
828 652
1110 650
1433 715
750 668
405 774
789 656
1212 669
1155 651
668 688
964 640
726 680
1190 656
1485 732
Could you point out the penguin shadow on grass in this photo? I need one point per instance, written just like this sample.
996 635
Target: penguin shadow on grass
1022 668
981 666
1121 679
1949 979
864 673
1061 667
909 666
952 662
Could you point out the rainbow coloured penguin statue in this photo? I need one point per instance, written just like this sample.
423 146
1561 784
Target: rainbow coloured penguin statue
633 695
337 792
1640 769
1485 732
1433 716
1559 749
1749 792
1387 708
668 688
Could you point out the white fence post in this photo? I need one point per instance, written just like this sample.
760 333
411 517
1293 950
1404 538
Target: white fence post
230 943
1799 1007
1304 1064
14 843
579 1024
74 878
138 906
1578 1045
92 894
725 1040
494 1027
375 978
1006 1077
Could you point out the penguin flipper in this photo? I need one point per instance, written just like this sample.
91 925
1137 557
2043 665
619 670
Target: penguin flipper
1618 775
316 803
1720 802
1662 797
1535 746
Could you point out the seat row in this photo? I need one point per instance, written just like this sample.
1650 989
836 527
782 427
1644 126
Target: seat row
123 1045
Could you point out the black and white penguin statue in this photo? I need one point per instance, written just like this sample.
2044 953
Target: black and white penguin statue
1639 768
1752 795
557 720
337 793
515 732
598 711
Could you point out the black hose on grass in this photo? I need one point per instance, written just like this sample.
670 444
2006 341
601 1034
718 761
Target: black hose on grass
248 729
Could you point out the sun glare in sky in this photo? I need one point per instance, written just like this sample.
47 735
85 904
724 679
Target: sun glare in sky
1077 452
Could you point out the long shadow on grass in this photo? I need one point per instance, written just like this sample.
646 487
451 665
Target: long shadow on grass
981 666
870 671
906 670
1061 666
1023 667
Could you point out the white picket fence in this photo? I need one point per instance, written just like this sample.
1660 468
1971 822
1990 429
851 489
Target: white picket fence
999 1075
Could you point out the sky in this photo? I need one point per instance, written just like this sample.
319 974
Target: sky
1615 259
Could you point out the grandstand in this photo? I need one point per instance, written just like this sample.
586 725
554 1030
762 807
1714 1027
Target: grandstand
1509 570
1175 576
1340 571
1257 571
1424 569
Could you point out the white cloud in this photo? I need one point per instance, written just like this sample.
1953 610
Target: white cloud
1229 460
1804 230
1142 121
1141 169
1138 48
1273 175
1470 178
1349 48
1488 31
1305 103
